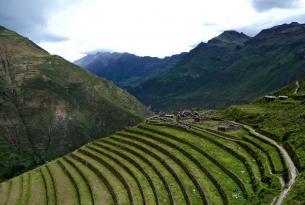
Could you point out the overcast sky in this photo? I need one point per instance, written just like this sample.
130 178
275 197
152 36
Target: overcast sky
71 28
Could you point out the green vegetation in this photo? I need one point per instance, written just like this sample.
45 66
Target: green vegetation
49 106
230 69
157 164
124 69
282 120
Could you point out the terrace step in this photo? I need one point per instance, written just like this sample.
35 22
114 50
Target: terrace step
100 176
206 174
113 170
100 192
50 185
168 176
224 148
65 190
260 144
171 167
81 185
15 191
125 169
144 166
26 194
83 178
158 164
38 192
3 192
208 159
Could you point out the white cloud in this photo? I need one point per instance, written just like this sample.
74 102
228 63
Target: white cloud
265 5
30 18
153 27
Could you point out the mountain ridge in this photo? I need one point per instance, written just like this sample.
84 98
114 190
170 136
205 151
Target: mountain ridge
214 75
49 106
125 69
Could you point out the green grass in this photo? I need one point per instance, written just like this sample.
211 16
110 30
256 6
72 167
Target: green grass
126 175
216 170
154 176
26 194
14 194
163 169
153 164
272 151
117 173
118 186
99 189
65 190
80 183
50 186
38 192
218 153
141 182
4 191
282 121
213 177
168 154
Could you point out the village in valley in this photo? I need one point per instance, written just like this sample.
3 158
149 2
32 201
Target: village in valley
187 119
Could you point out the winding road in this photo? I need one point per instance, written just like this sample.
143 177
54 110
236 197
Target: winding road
292 168
290 164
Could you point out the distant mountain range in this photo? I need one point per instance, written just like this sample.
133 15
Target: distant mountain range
125 69
229 69
49 106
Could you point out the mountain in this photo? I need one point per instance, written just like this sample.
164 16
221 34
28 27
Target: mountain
125 69
282 120
231 68
49 106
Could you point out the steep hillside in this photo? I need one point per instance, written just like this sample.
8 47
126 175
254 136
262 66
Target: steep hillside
124 69
284 121
49 106
158 163
229 69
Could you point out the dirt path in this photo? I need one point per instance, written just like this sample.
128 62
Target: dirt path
297 87
292 169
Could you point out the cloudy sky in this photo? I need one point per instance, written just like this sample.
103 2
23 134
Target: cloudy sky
71 28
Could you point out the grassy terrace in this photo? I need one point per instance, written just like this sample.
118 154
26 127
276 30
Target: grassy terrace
156 164
266 155
272 153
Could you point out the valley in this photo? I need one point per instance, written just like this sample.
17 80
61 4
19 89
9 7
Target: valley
229 69
222 124
161 162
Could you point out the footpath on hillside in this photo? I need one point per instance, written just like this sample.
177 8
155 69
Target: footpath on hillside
291 166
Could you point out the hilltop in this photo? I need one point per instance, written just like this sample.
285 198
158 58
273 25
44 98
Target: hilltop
49 106
125 69
230 69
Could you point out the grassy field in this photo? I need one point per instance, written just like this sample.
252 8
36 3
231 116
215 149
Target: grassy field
156 164
282 121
